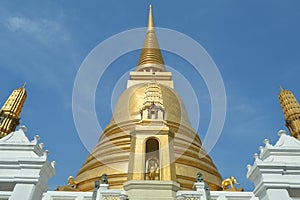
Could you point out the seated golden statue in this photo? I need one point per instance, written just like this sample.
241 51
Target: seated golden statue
72 185
71 182
230 182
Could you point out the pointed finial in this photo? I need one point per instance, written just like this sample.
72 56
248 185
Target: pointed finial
281 132
267 143
24 85
150 56
255 156
249 167
23 128
281 88
150 19
53 164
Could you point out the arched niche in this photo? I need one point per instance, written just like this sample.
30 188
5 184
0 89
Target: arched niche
152 159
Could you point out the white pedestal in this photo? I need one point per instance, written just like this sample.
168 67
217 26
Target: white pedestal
24 166
276 170
139 189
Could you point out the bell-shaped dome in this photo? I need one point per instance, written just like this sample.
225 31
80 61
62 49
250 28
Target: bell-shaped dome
112 153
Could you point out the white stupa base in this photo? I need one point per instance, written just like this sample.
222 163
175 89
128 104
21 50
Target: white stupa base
139 189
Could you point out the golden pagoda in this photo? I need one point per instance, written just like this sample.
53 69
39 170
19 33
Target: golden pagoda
149 136
291 110
11 110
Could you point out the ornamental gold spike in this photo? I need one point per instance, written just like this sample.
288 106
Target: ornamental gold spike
11 110
150 58
150 19
291 110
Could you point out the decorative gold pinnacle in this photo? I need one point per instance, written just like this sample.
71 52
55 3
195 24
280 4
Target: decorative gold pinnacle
291 110
150 19
11 110
150 57
153 95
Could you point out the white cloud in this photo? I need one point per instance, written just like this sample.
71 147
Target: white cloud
41 29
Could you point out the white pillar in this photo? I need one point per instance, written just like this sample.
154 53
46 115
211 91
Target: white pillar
277 194
24 192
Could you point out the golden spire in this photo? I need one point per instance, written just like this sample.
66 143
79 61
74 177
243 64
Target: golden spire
150 57
150 19
291 110
11 110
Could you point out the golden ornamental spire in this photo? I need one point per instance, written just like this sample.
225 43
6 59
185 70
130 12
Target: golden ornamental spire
150 19
150 57
153 95
153 107
291 110
11 110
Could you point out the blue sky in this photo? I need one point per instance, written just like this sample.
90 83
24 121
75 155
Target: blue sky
254 43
